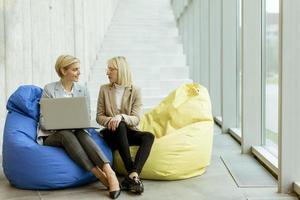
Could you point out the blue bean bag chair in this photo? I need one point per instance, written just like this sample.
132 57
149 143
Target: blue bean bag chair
28 165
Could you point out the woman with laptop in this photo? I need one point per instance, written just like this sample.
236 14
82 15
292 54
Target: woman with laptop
119 104
77 143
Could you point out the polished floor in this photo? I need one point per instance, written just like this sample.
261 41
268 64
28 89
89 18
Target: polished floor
216 184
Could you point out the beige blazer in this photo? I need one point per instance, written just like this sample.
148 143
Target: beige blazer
130 106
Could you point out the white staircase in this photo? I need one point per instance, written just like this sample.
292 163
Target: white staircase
145 33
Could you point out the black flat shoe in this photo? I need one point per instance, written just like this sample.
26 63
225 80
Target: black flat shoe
114 194
134 185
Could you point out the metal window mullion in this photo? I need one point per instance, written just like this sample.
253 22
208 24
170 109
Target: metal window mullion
263 71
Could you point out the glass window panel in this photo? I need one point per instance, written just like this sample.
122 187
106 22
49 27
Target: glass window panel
271 64
239 64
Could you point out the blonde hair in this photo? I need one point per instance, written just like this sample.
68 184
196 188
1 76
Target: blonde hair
124 73
64 62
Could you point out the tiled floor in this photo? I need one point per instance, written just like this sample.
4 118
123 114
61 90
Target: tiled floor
215 184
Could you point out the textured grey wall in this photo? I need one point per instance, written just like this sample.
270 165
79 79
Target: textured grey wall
33 33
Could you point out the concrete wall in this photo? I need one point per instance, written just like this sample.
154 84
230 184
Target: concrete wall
33 33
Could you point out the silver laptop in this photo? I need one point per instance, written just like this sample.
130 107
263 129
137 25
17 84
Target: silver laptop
65 113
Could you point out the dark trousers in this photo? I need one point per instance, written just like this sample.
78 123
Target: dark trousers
80 147
122 138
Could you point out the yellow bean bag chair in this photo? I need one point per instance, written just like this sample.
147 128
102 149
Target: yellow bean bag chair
183 127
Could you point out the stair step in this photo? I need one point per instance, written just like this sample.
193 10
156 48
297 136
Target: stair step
94 92
142 51
143 19
137 41
139 26
138 60
168 23
165 85
154 73
143 26
141 34
147 100
142 37
165 68
146 34
136 55
141 46
139 29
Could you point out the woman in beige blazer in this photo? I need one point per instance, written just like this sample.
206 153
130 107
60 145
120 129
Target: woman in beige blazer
77 143
119 105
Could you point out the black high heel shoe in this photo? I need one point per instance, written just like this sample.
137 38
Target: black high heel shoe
115 194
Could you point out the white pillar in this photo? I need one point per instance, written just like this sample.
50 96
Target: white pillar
289 106
251 74
204 43
190 37
228 77
215 55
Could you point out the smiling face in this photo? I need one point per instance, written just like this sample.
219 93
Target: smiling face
112 74
71 73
